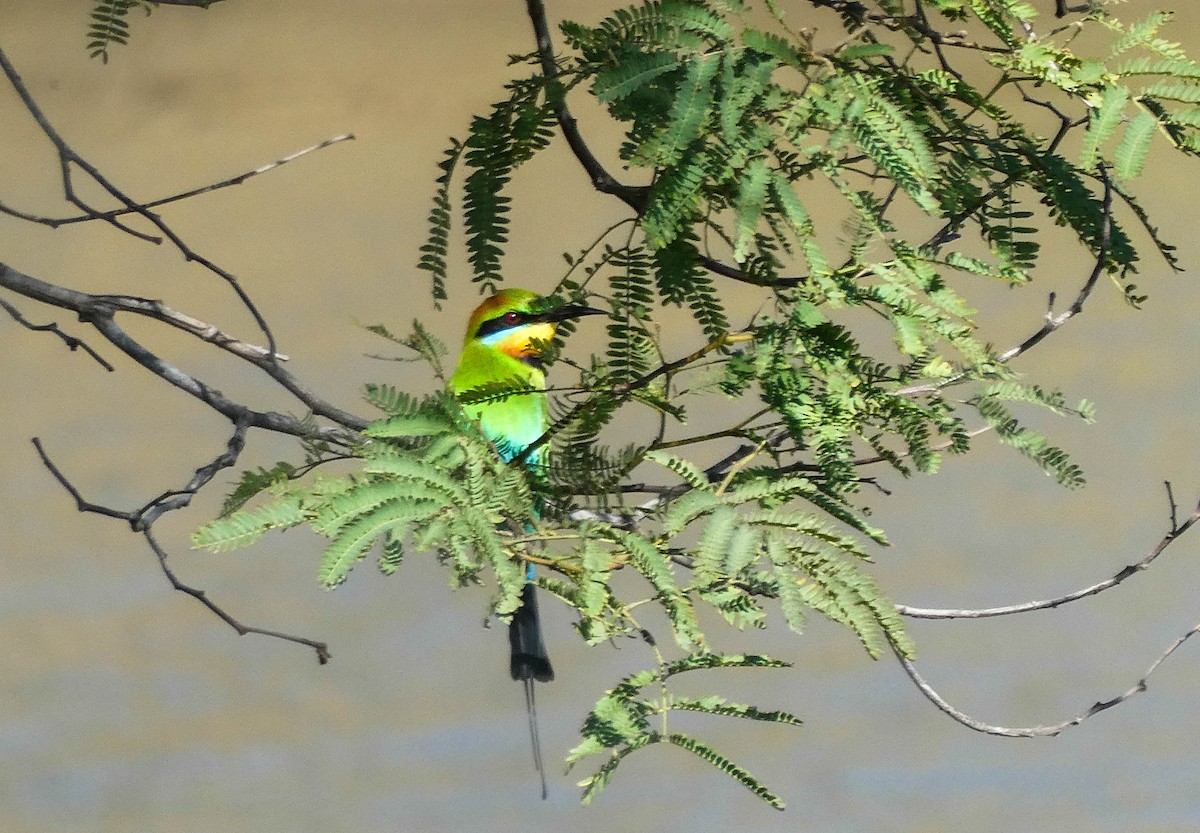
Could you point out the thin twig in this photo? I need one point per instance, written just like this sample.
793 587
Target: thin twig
141 520
1052 321
71 341
322 649
56 222
1172 535
1035 731
68 157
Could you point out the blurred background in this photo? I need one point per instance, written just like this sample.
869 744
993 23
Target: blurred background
125 706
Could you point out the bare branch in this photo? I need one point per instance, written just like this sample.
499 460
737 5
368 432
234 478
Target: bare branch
1172 535
322 649
602 180
141 520
57 222
100 311
68 158
71 341
1035 731
1052 322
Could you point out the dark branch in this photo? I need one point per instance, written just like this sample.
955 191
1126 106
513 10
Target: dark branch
604 182
71 341
57 222
141 520
68 158
100 312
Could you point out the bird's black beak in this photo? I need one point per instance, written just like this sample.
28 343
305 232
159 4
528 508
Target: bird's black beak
568 311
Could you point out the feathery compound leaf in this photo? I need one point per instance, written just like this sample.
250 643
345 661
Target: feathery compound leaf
687 470
253 483
701 662
243 528
1103 123
109 26
410 425
654 565
684 510
748 209
1140 33
779 48
633 73
692 105
1130 155
356 538
707 753
437 244
719 706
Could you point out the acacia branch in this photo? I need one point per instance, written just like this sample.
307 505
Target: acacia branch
1035 731
1177 529
1051 321
604 182
58 222
1173 534
141 520
100 312
71 341
68 157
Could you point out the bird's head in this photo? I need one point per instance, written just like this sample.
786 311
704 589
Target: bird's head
518 322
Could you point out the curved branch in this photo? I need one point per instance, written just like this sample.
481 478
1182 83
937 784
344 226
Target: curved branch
604 182
1035 731
1177 529
141 520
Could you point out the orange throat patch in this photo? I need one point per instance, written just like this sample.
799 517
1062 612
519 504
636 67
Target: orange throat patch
520 343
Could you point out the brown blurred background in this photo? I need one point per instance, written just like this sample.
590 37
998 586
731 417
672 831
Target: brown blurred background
127 707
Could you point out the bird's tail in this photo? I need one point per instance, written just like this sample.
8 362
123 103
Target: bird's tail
528 659
529 663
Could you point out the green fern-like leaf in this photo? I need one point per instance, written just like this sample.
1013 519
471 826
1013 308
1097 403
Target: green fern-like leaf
243 528
751 199
632 74
737 773
436 247
691 109
1103 124
253 483
688 471
653 564
109 25
1130 155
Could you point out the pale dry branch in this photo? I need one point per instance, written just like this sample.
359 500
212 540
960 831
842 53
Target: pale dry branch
1173 534
1035 731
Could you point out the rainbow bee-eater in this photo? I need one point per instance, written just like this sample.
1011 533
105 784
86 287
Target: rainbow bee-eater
504 342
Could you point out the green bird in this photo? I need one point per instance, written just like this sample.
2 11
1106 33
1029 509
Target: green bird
503 343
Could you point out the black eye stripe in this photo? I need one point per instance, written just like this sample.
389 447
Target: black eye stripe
495 325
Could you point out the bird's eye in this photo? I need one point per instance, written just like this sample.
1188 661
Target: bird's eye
512 317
